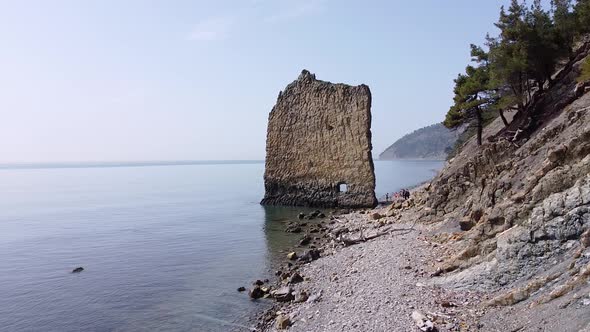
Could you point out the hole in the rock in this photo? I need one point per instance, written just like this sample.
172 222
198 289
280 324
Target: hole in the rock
342 187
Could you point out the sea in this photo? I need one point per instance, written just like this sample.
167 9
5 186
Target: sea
164 246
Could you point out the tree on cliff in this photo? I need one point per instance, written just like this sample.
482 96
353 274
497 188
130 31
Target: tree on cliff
542 44
565 25
473 96
508 58
582 16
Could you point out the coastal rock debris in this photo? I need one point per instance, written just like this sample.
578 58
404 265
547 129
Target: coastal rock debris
423 323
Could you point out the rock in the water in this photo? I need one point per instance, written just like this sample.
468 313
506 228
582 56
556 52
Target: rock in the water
283 322
332 166
283 294
256 292
301 215
78 270
292 256
293 228
305 241
241 289
258 283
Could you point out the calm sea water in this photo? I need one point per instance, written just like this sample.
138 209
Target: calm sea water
163 247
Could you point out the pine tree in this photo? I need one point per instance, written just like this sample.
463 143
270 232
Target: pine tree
540 40
565 25
509 58
582 16
472 94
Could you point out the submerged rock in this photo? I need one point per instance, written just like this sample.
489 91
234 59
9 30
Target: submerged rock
305 241
78 270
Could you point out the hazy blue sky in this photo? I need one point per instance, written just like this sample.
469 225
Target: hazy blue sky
166 80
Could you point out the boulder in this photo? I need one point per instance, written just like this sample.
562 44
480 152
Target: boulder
78 270
423 323
376 216
292 256
295 278
283 294
283 322
301 297
305 240
241 289
293 228
256 292
310 255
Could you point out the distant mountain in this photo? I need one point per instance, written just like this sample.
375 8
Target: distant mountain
432 142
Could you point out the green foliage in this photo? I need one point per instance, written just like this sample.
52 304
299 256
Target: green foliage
509 67
565 24
472 93
585 75
542 44
467 134
582 16
519 61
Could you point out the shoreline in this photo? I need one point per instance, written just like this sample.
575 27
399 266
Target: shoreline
375 260
380 270
373 264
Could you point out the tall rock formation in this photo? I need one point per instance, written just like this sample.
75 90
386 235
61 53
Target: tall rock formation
318 147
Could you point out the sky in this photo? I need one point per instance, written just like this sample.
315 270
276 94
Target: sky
141 80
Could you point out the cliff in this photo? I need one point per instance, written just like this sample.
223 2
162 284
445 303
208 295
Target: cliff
514 213
432 142
318 148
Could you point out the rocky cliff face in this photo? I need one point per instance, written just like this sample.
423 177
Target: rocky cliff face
522 200
318 148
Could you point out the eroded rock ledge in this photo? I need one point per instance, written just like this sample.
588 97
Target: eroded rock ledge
318 148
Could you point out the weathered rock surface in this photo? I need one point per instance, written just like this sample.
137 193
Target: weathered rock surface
318 148
498 241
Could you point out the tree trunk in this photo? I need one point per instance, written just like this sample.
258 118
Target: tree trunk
503 117
479 119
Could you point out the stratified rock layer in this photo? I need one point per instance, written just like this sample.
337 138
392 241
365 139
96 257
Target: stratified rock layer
319 138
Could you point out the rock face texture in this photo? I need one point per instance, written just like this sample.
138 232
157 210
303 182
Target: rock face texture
526 198
318 147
